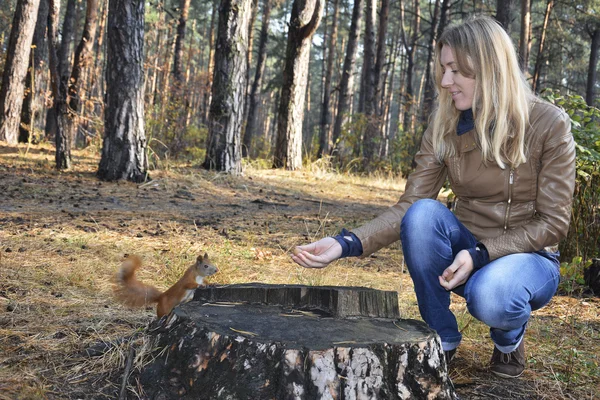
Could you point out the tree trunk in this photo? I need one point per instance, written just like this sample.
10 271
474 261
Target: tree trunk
525 33
64 60
124 146
369 144
325 137
384 14
410 49
210 64
38 57
540 56
304 20
251 121
253 14
347 79
224 150
504 11
82 59
15 69
286 347
179 41
60 112
591 79
429 89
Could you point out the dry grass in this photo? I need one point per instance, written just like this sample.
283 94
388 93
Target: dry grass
63 236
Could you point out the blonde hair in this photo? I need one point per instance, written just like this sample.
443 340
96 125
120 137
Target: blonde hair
485 52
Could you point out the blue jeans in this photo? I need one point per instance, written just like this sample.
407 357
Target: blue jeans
502 294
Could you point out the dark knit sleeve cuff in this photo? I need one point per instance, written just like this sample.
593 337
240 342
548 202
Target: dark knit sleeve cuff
480 256
351 245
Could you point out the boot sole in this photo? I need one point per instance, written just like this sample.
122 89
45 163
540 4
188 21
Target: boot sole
506 376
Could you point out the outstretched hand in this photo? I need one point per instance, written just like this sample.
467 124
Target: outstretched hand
458 272
317 254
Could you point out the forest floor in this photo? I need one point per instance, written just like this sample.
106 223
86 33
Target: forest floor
64 234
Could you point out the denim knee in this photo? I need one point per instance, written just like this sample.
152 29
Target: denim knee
421 217
494 303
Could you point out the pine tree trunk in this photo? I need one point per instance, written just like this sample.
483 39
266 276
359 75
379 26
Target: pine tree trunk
525 33
251 121
15 68
384 14
304 20
124 146
325 136
540 56
60 112
179 40
226 117
347 78
64 60
210 64
82 59
38 58
591 79
410 48
504 10
429 90
369 82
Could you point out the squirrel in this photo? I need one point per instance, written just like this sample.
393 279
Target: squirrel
134 293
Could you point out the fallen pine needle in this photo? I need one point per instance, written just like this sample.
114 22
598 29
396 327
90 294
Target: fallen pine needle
399 327
244 332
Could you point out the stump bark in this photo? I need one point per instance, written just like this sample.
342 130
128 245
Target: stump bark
229 349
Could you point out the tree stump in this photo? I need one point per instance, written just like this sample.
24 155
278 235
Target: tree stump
293 347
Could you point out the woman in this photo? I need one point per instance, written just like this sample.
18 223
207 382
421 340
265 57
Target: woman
510 160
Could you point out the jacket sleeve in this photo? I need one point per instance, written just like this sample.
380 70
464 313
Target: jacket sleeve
424 182
556 183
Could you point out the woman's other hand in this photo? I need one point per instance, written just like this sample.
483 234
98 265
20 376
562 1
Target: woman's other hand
458 272
317 254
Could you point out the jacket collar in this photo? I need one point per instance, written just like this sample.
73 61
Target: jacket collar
465 122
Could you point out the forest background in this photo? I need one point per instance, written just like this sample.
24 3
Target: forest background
334 94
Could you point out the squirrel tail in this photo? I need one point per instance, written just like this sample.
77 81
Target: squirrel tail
128 290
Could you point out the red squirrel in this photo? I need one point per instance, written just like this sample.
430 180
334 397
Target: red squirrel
134 293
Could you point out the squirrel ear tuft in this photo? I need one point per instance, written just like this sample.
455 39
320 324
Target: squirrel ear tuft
205 256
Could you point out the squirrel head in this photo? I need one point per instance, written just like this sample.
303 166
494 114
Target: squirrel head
203 266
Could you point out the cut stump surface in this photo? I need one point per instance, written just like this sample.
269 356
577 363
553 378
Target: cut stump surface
235 350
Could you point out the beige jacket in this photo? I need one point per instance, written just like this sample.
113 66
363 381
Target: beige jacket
509 210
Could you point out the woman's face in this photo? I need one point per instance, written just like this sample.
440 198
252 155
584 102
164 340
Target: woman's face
460 87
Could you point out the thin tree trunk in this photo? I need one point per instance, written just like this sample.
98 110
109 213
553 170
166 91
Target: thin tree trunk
540 56
325 136
179 41
591 79
384 14
62 140
369 79
410 48
124 147
304 21
15 69
251 121
253 13
347 79
525 33
64 60
429 89
504 11
224 150
211 57
82 59
38 58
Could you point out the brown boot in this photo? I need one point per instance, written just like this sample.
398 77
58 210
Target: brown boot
508 365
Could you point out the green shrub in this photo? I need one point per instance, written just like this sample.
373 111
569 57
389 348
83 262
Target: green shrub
583 239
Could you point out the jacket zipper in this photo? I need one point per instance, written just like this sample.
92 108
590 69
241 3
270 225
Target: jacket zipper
510 186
